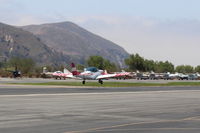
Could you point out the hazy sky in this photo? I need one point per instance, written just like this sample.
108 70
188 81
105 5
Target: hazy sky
156 29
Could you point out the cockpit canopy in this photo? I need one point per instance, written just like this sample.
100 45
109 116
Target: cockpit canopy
92 69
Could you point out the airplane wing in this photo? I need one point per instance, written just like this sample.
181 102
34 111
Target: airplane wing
123 74
70 76
105 76
115 75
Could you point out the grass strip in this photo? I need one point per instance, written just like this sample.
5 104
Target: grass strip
113 84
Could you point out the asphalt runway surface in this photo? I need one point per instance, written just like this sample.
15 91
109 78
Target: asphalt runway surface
43 109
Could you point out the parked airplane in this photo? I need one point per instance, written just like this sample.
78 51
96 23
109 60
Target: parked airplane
64 75
123 75
92 73
59 74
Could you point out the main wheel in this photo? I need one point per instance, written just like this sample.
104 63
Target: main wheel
83 82
100 81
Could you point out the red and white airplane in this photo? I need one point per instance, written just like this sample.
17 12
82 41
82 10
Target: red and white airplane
59 74
92 73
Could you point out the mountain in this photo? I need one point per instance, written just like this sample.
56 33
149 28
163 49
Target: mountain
15 42
76 42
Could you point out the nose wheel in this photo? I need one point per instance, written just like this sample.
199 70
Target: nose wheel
83 82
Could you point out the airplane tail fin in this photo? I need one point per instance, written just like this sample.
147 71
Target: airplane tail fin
74 71
105 72
44 70
66 71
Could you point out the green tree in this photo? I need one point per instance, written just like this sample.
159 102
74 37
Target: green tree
101 63
150 65
189 69
1 64
80 67
184 69
110 67
25 65
197 69
135 62
96 61
162 67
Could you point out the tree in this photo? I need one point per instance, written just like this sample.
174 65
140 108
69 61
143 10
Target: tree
189 69
197 69
101 63
149 65
135 62
162 67
80 67
110 67
1 64
184 69
25 65
96 61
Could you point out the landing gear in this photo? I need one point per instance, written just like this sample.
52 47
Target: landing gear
83 82
100 81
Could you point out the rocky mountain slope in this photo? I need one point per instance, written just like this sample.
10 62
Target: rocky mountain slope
76 42
15 42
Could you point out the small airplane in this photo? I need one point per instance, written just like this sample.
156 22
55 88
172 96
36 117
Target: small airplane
59 74
123 75
92 73
64 75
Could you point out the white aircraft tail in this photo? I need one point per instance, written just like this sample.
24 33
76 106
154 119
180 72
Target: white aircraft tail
66 71
44 70
152 72
105 72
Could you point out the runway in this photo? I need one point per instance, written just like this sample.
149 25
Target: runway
99 110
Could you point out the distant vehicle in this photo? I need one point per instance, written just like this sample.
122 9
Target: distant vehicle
198 75
192 77
141 76
155 76
92 73
183 76
195 76
169 76
16 74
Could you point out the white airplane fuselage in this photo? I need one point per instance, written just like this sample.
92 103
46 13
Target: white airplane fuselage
90 75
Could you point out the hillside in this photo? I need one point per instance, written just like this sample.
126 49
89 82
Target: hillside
76 42
15 42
